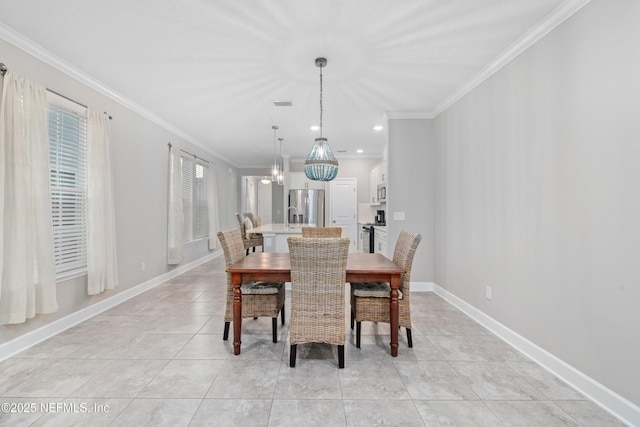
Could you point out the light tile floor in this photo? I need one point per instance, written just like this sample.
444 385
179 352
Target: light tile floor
159 360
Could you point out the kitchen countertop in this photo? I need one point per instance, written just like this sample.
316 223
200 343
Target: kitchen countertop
277 229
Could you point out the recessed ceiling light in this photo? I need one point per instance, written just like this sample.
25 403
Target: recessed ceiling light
315 127
378 128
359 150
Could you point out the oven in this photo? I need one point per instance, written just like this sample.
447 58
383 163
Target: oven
367 241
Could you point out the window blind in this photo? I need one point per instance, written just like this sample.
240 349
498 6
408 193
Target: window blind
187 197
194 199
68 163
201 226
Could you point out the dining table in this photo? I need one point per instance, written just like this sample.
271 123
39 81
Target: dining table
276 267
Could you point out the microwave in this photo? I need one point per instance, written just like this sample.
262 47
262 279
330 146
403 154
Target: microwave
382 193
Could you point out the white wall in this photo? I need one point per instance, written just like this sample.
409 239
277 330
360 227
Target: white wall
538 195
140 162
411 186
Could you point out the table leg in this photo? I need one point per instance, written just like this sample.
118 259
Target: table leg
236 279
394 312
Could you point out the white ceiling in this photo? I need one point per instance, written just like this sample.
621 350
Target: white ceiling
212 69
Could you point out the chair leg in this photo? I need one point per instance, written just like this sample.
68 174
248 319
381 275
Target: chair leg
225 334
254 249
353 318
247 251
274 328
340 357
292 356
282 313
409 340
358 327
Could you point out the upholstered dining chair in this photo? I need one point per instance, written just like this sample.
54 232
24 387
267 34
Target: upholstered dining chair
318 275
321 231
249 240
259 299
370 301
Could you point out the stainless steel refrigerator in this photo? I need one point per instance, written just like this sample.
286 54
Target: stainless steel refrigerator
306 207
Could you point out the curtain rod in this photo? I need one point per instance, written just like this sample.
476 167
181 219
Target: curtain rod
66 97
191 154
3 71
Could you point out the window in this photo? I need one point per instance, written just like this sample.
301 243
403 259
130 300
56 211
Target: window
194 199
68 162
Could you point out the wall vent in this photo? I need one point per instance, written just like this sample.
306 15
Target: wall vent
283 103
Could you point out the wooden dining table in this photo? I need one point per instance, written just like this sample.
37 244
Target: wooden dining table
276 267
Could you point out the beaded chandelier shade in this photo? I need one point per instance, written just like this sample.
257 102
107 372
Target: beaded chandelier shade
321 164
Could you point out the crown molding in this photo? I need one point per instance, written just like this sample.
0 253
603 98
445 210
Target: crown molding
556 17
39 52
417 114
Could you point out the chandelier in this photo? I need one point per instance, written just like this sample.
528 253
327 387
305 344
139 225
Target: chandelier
275 168
321 164
281 171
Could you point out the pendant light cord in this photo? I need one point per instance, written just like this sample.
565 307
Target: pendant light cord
320 101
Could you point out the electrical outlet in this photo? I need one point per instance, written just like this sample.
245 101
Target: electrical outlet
488 292
143 266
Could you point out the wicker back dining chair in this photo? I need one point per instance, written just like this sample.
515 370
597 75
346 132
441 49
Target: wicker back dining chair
252 218
259 299
249 240
318 276
321 231
370 301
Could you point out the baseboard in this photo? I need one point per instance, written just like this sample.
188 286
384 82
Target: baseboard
617 405
422 286
31 338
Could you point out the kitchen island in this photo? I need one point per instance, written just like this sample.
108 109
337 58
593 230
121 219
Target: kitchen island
275 236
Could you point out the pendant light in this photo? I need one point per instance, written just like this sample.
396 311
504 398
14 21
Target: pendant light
275 167
281 171
321 164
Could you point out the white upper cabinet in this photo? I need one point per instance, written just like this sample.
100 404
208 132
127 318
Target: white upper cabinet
299 181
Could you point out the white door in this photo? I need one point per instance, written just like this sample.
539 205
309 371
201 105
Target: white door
344 208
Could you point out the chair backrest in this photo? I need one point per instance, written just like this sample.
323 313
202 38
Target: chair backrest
318 276
252 218
321 231
232 246
403 255
242 226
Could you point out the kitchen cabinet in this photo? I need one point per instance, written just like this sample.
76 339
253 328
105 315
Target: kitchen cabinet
380 240
377 175
299 181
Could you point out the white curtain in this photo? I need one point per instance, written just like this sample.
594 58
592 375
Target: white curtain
212 201
102 263
175 237
27 265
